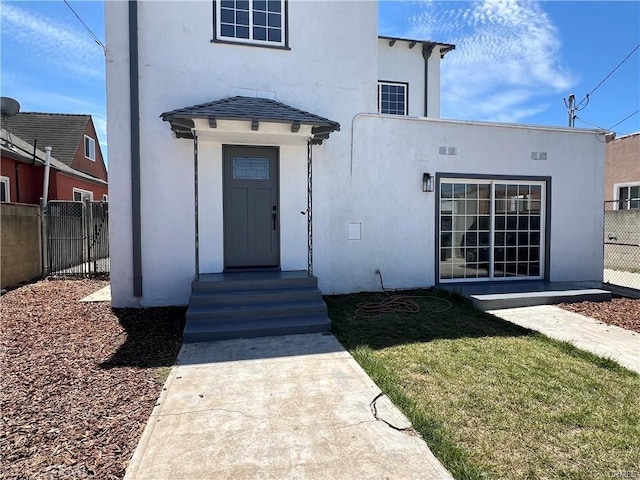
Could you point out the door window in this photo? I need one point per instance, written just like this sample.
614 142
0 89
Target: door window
250 168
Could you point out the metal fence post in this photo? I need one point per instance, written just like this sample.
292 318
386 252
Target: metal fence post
88 221
44 250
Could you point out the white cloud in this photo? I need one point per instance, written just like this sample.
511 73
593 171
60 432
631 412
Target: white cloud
507 57
53 44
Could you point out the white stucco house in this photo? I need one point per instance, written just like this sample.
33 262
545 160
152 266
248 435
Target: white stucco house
288 136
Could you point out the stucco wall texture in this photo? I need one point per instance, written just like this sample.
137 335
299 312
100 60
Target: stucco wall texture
367 174
622 163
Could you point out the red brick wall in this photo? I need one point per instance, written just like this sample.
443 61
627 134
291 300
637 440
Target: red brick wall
622 163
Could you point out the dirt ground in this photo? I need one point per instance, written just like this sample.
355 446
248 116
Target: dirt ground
79 380
622 312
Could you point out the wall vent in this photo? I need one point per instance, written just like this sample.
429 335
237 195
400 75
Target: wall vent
447 150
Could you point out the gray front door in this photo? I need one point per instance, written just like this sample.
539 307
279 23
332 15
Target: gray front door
251 211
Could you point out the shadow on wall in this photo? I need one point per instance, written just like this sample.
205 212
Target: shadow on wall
154 337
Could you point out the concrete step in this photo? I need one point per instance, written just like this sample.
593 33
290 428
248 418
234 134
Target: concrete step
254 304
206 332
496 301
215 314
253 281
254 297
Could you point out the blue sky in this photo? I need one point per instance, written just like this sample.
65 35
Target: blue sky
513 62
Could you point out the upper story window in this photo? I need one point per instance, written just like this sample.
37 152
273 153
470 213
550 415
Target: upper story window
629 197
393 98
89 148
257 22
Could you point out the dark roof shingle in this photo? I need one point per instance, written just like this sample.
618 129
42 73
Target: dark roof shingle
248 108
62 132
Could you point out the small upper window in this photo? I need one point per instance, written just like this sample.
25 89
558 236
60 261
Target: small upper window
89 148
5 195
259 22
392 98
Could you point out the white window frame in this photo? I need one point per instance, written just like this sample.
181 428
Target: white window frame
616 194
405 85
83 193
92 148
251 41
7 188
105 197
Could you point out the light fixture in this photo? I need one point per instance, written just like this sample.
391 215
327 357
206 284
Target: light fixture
427 182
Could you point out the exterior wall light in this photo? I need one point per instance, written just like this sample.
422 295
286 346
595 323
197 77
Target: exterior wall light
427 182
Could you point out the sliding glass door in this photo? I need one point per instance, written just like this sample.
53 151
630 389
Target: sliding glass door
491 230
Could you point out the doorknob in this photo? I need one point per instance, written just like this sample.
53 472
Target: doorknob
274 216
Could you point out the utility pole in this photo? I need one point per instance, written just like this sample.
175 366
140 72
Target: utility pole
571 106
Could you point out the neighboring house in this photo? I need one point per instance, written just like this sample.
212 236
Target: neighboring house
324 152
77 168
622 172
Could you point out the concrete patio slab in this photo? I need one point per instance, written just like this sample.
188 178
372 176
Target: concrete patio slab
618 344
102 295
295 406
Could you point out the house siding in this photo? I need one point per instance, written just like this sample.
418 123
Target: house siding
369 172
330 72
66 183
399 63
398 219
81 163
31 178
622 159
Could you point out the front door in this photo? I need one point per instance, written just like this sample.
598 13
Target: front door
251 216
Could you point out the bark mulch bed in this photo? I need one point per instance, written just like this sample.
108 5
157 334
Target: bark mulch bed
78 380
621 312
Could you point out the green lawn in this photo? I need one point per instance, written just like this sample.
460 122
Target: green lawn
494 400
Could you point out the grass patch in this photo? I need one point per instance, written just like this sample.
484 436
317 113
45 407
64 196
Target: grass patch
494 400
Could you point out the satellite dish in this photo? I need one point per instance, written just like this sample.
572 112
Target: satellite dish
8 107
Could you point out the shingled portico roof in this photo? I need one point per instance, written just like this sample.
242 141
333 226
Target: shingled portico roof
252 109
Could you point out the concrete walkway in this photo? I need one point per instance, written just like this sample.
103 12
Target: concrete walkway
597 337
102 295
285 407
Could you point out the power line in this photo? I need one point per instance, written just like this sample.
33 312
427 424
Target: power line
590 124
624 119
586 98
610 129
86 26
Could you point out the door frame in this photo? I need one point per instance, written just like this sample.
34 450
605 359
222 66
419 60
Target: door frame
545 263
251 149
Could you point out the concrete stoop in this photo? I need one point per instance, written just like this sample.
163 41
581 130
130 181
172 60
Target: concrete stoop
254 304
501 295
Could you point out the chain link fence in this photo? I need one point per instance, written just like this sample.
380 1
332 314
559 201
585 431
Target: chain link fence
622 243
